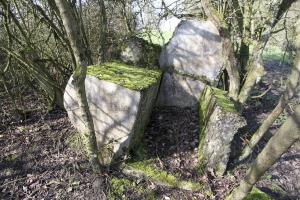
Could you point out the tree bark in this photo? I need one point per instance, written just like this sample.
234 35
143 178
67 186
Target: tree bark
52 89
246 35
255 66
285 137
103 33
255 72
83 60
284 99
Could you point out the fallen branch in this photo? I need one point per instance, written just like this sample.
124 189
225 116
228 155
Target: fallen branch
264 93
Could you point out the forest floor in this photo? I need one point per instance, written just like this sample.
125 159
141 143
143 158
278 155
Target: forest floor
41 157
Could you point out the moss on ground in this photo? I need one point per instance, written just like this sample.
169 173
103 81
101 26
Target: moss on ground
134 78
257 194
162 177
74 141
122 187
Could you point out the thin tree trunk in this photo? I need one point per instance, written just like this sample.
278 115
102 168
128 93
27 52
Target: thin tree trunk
285 137
82 58
284 99
11 96
246 35
45 81
255 72
103 34
255 67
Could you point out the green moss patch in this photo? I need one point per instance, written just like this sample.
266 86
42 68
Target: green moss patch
131 77
161 177
205 109
121 188
257 194
223 100
75 142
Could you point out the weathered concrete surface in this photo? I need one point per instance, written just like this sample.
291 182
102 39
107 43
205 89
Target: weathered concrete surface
195 49
120 114
220 120
178 90
192 57
140 52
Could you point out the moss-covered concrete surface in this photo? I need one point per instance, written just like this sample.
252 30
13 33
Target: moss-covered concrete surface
219 120
212 96
223 100
131 77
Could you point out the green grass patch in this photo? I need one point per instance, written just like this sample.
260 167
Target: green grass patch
155 37
131 77
276 53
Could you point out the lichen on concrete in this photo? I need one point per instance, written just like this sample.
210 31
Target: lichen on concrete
131 77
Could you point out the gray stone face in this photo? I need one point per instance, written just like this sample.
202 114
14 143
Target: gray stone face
140 52
219 122
119 114
178 90
132 52
196 49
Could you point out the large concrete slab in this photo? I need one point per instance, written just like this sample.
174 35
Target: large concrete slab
192 58
195 49
120 114
220 121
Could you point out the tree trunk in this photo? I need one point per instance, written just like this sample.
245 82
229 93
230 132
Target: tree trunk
285 137
103 33
256 71
284 99
83 60
52 89
246 35
255 66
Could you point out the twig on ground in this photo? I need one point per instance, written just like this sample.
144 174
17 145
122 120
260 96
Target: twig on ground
264 93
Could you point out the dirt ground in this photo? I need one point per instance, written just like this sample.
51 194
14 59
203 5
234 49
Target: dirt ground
40 160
